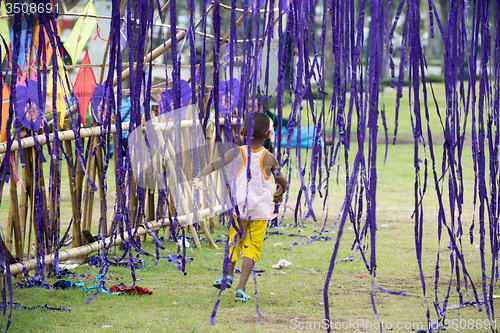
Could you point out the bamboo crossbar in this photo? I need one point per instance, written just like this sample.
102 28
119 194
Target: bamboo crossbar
88 132
99 245
241 10
208 64
153 55
63 136
105 17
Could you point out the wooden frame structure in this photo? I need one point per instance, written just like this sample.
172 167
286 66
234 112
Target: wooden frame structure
22 227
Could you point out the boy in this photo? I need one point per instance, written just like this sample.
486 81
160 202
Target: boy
255 208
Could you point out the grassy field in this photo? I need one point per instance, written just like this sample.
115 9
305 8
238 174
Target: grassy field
290 299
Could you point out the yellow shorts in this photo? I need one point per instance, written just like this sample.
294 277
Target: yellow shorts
251 245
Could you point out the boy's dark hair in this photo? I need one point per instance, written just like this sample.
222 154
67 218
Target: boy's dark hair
261 124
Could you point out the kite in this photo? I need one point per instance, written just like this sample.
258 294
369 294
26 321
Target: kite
29 72
4 32
97 103
84 86
5 112
25 44
48 27
167 100
64 94
229 96
29 111
81 32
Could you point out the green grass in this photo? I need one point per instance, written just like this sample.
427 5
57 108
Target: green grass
184 303
293 296
404 128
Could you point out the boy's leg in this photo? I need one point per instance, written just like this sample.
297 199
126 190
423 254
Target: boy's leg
236 246
231 269
251 250
246 270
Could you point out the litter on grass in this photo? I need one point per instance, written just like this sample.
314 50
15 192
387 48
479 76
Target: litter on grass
67 284
68 266
283 263
186 242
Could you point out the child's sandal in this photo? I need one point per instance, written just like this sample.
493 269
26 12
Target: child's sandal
244 297
218 284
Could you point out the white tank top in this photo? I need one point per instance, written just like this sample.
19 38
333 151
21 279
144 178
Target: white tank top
257 205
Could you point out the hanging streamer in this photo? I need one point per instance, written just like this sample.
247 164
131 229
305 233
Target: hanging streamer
353 116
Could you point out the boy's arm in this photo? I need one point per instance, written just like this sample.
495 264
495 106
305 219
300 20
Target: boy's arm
216 165
280 179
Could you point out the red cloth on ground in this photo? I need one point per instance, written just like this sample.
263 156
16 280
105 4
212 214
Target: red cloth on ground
130 290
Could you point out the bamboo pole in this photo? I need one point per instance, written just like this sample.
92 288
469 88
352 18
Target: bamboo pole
150 206
226 37
210 140
10 228
94 247
62 135
99 169
25 195
154 64
54 184
160 49
87 132
162 9
43 194
153 55
79 182
133 203
210 148
95 161
89 192
171 209
189 193
223 40
118 192
32 205
161 209
72 179
77 236
171 166
14 223
106 51
18 240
